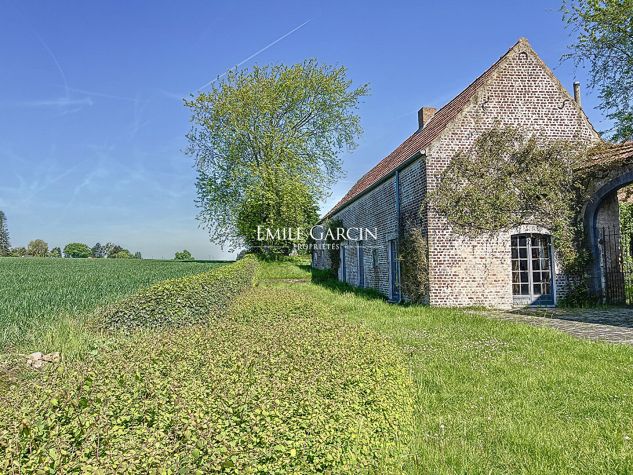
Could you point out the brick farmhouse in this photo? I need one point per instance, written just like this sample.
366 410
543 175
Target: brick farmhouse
517 267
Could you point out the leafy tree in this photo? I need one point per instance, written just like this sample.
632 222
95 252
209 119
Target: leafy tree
5 245
55 252
122 254
37 248
112 249
604 41
184 255
138 255
253 123
18 252
276 203
77 250
98 251
625 198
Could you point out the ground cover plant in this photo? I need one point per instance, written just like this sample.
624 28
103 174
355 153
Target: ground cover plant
42 295
183 301
275 386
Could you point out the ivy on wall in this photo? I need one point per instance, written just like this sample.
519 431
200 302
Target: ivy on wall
332 225
414 268
508 179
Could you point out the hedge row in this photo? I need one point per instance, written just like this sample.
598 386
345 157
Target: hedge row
182 301
275 388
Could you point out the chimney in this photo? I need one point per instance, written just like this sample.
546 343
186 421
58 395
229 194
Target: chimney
577 93
425 115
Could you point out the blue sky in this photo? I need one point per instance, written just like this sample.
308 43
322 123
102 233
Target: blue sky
92 125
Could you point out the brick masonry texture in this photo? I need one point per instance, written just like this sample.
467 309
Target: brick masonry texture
520 91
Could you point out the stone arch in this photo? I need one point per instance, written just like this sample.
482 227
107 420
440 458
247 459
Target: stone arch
604 195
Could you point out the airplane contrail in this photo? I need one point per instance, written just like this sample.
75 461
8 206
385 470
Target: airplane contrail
255 54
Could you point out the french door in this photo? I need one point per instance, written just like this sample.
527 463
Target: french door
532 269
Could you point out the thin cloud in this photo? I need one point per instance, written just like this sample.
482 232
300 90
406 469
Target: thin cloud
55 61
257 53
60 102
102 94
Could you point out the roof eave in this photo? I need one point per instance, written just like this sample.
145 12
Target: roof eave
406 163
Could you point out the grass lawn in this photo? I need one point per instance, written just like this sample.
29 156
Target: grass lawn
493 396
42 301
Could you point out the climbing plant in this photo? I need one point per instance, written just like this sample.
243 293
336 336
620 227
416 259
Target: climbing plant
508 179
626 210
333 245
414 266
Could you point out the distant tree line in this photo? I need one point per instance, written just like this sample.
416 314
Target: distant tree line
39 248
75 250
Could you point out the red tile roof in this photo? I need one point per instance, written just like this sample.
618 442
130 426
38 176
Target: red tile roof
420 139
607 154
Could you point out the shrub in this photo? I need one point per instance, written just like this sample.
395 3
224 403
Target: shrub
37 248
331 226
77 250
184 255
579 295
182 301
275 388
122 254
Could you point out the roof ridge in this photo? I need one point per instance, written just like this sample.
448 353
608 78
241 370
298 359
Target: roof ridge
423 137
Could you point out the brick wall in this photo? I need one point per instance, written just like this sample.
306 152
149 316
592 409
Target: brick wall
521 93
377 209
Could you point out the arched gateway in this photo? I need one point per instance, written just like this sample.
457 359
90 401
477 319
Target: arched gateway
611 247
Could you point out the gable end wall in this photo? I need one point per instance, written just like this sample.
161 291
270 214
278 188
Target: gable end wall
521 93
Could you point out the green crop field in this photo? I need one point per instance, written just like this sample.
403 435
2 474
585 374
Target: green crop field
37 296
